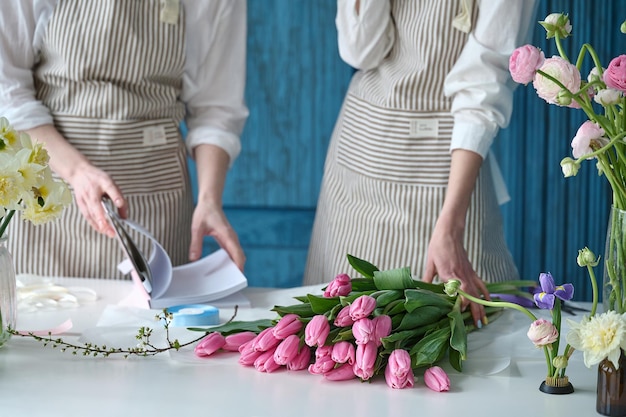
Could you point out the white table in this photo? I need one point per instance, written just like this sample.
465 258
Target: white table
40 381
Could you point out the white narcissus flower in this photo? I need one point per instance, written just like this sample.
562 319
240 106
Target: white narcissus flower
599 337
11 181
55 195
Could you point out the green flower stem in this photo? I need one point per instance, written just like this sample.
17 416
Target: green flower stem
594 292
4 221
587 48
559 46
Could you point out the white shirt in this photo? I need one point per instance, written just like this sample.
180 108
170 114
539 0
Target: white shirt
213 82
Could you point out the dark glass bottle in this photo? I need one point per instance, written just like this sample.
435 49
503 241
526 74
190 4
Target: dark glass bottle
611 389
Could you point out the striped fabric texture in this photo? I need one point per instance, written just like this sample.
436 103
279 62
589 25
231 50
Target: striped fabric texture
110 73
384 181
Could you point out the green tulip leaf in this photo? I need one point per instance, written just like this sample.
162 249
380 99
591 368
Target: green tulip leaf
419 298
362 267
232 327
431 348
394 279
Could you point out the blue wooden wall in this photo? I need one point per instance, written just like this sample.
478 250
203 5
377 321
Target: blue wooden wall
296 82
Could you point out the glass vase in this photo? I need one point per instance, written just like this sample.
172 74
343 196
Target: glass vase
614 278
611 388
8 298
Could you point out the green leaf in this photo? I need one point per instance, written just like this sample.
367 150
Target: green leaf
302 310
362 284
401 339
510 286
302 298
362 267
455 360
322 305
387 296
431 348
394 308
420 317
458 336
236 327
394 279
419 298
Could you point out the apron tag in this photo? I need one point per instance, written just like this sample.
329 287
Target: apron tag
169 11
423 128
154 135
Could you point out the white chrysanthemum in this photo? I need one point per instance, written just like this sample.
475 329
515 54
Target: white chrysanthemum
599 337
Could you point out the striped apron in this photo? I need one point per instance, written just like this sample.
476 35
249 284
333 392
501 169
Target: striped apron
111 74
388 162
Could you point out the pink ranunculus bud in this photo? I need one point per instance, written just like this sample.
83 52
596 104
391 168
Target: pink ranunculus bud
608 97
210 344
587 132
561 70
265 340
287 350
542 333
365 359
266 362
322 365
615 74
343 318
363 331
362 307
398 373
436 379
247 354
343 352
340 286
289 324
524 63
382 328
301 360
316 331
341 373
234 341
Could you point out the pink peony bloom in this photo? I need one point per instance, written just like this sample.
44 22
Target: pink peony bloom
382 328
266 363
362 307
615 74
398 373
301 360
343 352
316 331
343 318
265 340
234 341
287 350
289 324
561 70
340 286
365 359
363 331
342 373
542 333
436 379
524 63
210 344
587 132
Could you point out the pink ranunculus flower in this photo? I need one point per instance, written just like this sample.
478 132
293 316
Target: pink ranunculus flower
266 363
364 331
398 373
341 373
343 352
561 70
287 350
340 286
265 340
316 331
343 318
524 63
382 328
362 307
210 344
365 359
436 379
587 132
288 324
608 97
301 360
615 74
542 333
234 341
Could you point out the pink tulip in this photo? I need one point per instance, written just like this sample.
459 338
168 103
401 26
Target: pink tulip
323 351
340 286
436 379
322 365
301 360
524 63
343 318
287 350
362 307
287 325
365 359
615 74
342 373
266 362
382 328
363 331
234 341
398 373
343 352
587 132
542 333
248 354
316 331
210 344
265 340
561 70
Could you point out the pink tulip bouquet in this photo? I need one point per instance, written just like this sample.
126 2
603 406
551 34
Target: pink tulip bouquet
385 323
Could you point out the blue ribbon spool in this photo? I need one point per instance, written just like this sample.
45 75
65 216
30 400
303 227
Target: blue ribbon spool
188 315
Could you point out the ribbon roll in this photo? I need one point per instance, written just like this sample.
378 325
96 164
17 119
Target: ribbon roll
187 315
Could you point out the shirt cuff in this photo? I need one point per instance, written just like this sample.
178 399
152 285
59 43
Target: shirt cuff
228 141
472 135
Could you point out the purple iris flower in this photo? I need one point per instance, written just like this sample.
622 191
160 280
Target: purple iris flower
550 292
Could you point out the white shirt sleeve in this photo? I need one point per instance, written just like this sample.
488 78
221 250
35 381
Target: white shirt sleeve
479 83
364 39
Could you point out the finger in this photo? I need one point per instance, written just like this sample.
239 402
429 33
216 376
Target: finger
482 287
231 245
195 246
478 314
429 273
